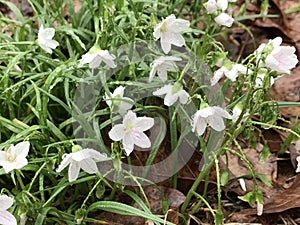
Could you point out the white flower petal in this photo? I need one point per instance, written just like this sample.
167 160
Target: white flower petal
89 166
170 99
179 25
218 111
165 45
128 118
242 184
217 123
87 58
119 91
260 208
224 19
20 163
73 171
117 132
140 139
211 6
222 4
88 153
5 202
157 32
6 218
110 63
128 143
124 106
164 90
21 149
7 166
174 38
183 97
143 123
47 33
199 124
206 112
162 74
152 73
217 76
2 158
67 158
95 63
298 164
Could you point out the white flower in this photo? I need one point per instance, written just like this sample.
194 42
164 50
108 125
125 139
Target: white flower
260 208
162 65
131 132
279 58
173 93
211 6
45 39
84 159
231 72
298 164
15 156
117 102
242 184
222 4
224 19
95 56
212 116
236 112
283 58
169 32
6 218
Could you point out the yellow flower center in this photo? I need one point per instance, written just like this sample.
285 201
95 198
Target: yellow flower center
11 157
163 28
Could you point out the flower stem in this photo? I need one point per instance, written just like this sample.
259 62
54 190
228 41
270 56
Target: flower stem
173 133
20 180
35 176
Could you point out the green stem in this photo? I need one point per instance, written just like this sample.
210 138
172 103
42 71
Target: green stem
219 218
206 203
173 133
20 180
35 176
199 203
90 192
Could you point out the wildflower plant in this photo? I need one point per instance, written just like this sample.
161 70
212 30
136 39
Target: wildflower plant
80 100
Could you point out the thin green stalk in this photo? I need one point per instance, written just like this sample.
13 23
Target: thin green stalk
199 203
35 176
219 215
90 192
205 202
173 133
20 180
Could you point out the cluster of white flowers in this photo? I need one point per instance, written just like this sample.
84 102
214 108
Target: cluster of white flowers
131 131
218 8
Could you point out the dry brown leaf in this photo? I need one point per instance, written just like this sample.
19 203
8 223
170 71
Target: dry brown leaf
287 88
280 200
